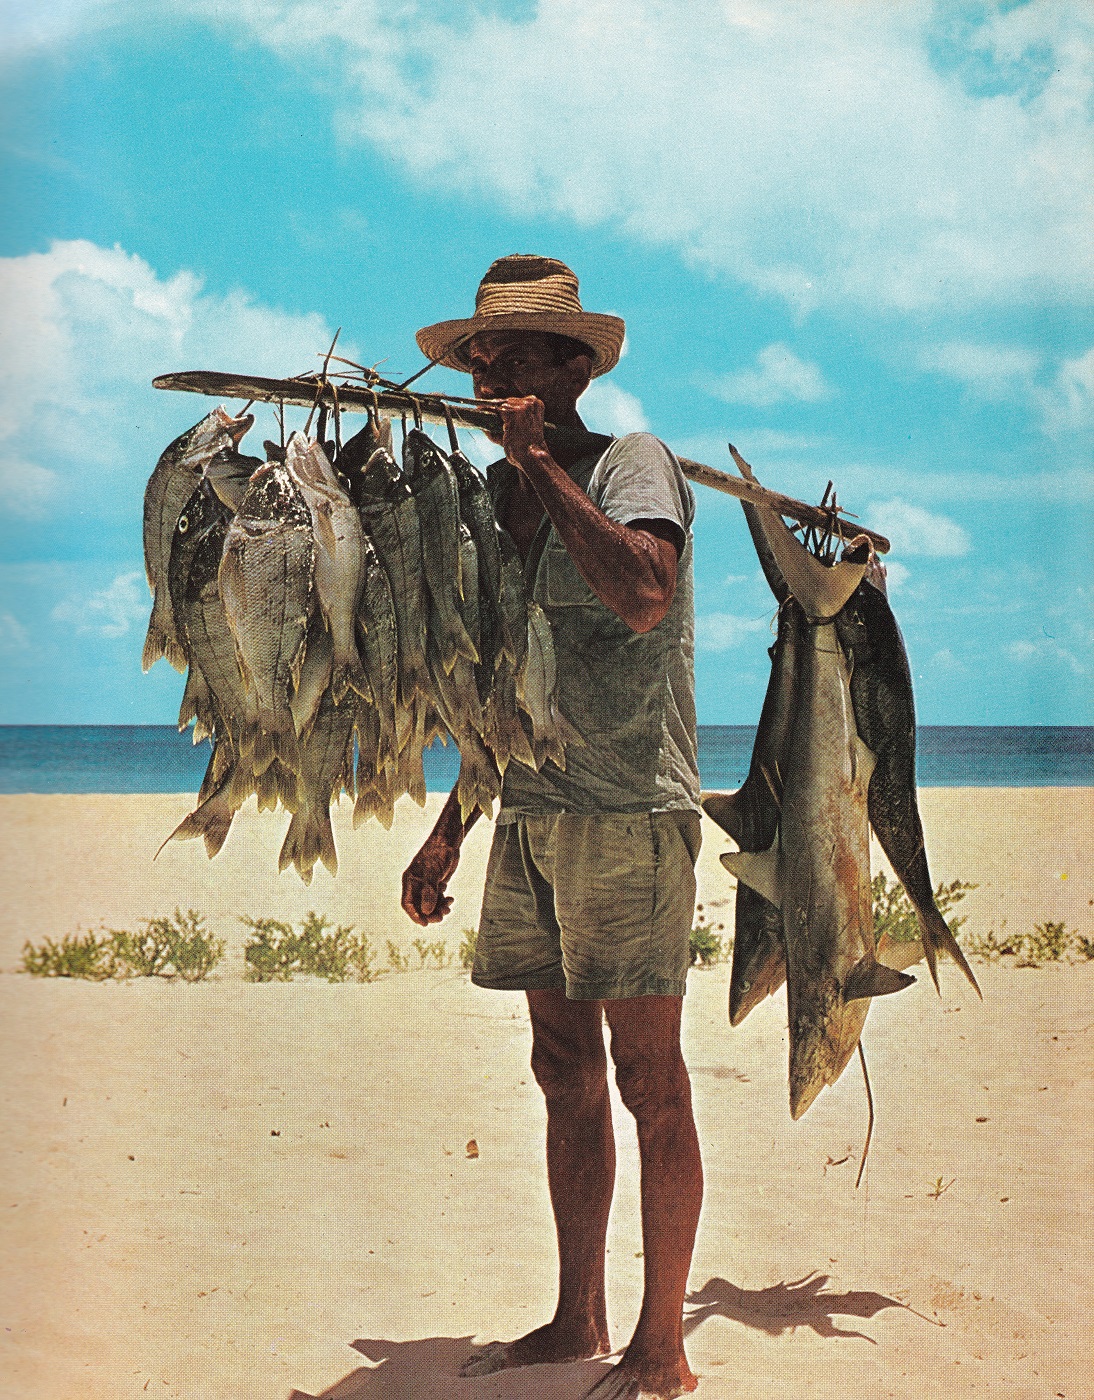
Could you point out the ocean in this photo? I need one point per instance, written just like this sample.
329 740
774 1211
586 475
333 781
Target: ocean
156 758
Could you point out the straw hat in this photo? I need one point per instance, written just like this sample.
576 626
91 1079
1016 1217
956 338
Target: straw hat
523 292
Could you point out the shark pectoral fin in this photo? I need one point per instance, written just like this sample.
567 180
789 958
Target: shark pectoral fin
721 808
759 870
869 978
900 954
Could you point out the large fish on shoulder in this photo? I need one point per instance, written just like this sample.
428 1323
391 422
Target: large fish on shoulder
339 557
817 870
170 486
266 581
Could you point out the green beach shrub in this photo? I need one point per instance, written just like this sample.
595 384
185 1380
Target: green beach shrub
706 946
275 952
1047 942
88 955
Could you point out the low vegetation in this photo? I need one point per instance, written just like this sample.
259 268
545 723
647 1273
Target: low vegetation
276 952
178 946
894 914
708 942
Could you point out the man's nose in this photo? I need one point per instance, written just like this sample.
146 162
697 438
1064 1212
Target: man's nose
490 383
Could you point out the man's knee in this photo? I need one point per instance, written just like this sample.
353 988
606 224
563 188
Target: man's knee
569 1071
651 1086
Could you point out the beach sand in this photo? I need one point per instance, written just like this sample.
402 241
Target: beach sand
257 1192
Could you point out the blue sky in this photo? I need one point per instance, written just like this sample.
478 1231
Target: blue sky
852 238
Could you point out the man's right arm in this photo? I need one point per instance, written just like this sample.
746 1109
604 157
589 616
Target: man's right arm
427 875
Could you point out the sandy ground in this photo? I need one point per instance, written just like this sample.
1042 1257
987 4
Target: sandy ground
264 1192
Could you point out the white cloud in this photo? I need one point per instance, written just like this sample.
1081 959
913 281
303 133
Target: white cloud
993 370
913 530
110 611
894 161
721 631
25 487
779 376
13 635
85 331
1042 650
1068 405
901 157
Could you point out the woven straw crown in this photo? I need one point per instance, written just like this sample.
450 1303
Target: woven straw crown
523 292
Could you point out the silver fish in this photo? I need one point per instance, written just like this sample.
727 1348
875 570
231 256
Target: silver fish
266 582
323 774
339 557
817 871
169 487
537 692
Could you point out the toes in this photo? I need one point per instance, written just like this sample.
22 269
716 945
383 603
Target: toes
493 1357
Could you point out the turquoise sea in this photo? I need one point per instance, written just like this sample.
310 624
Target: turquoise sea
154 758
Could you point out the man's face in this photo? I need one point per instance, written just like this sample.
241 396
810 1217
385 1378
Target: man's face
512 364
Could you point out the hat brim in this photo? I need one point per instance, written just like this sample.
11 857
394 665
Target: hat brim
446 342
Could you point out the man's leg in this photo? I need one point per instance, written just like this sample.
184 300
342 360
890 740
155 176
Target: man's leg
653 1082
570 1066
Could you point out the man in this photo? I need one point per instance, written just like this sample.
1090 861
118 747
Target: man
590 889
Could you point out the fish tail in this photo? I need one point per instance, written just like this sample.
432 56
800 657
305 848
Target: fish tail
155 643
294 849
210 820
937 936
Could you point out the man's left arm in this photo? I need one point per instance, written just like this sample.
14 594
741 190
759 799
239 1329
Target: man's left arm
631 568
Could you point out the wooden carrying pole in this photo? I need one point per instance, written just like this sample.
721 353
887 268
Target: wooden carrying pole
435 408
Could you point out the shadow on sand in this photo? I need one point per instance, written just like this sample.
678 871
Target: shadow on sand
785 1306
425 1369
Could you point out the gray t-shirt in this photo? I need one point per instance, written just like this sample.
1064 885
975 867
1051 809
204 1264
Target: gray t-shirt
630 695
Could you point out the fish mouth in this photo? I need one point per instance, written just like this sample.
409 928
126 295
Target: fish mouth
240 427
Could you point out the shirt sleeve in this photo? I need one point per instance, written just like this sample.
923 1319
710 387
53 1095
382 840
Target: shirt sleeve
639 478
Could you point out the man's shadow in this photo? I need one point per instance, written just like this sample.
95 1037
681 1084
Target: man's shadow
424 1369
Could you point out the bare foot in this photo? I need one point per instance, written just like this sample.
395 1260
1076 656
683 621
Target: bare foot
641 1379
546 1345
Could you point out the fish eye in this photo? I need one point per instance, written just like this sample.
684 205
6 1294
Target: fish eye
184 524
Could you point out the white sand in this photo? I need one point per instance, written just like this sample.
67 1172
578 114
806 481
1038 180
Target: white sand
213 1191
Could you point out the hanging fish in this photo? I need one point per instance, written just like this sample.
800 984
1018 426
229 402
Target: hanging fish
170 486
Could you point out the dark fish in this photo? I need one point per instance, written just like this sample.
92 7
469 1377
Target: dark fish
266 582
435 493
170 486
751 817
817 870
881 693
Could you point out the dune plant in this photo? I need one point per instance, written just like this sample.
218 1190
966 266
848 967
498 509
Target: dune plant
706 946
176 946
91 956
397 960
466 952
895 915
276 952
1050 941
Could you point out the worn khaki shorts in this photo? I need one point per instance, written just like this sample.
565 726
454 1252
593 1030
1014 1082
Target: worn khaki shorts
600 906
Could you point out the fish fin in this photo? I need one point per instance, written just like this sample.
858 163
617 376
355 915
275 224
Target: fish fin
759 870
900 955
821 589
722 809
938 937
210 820
870 978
